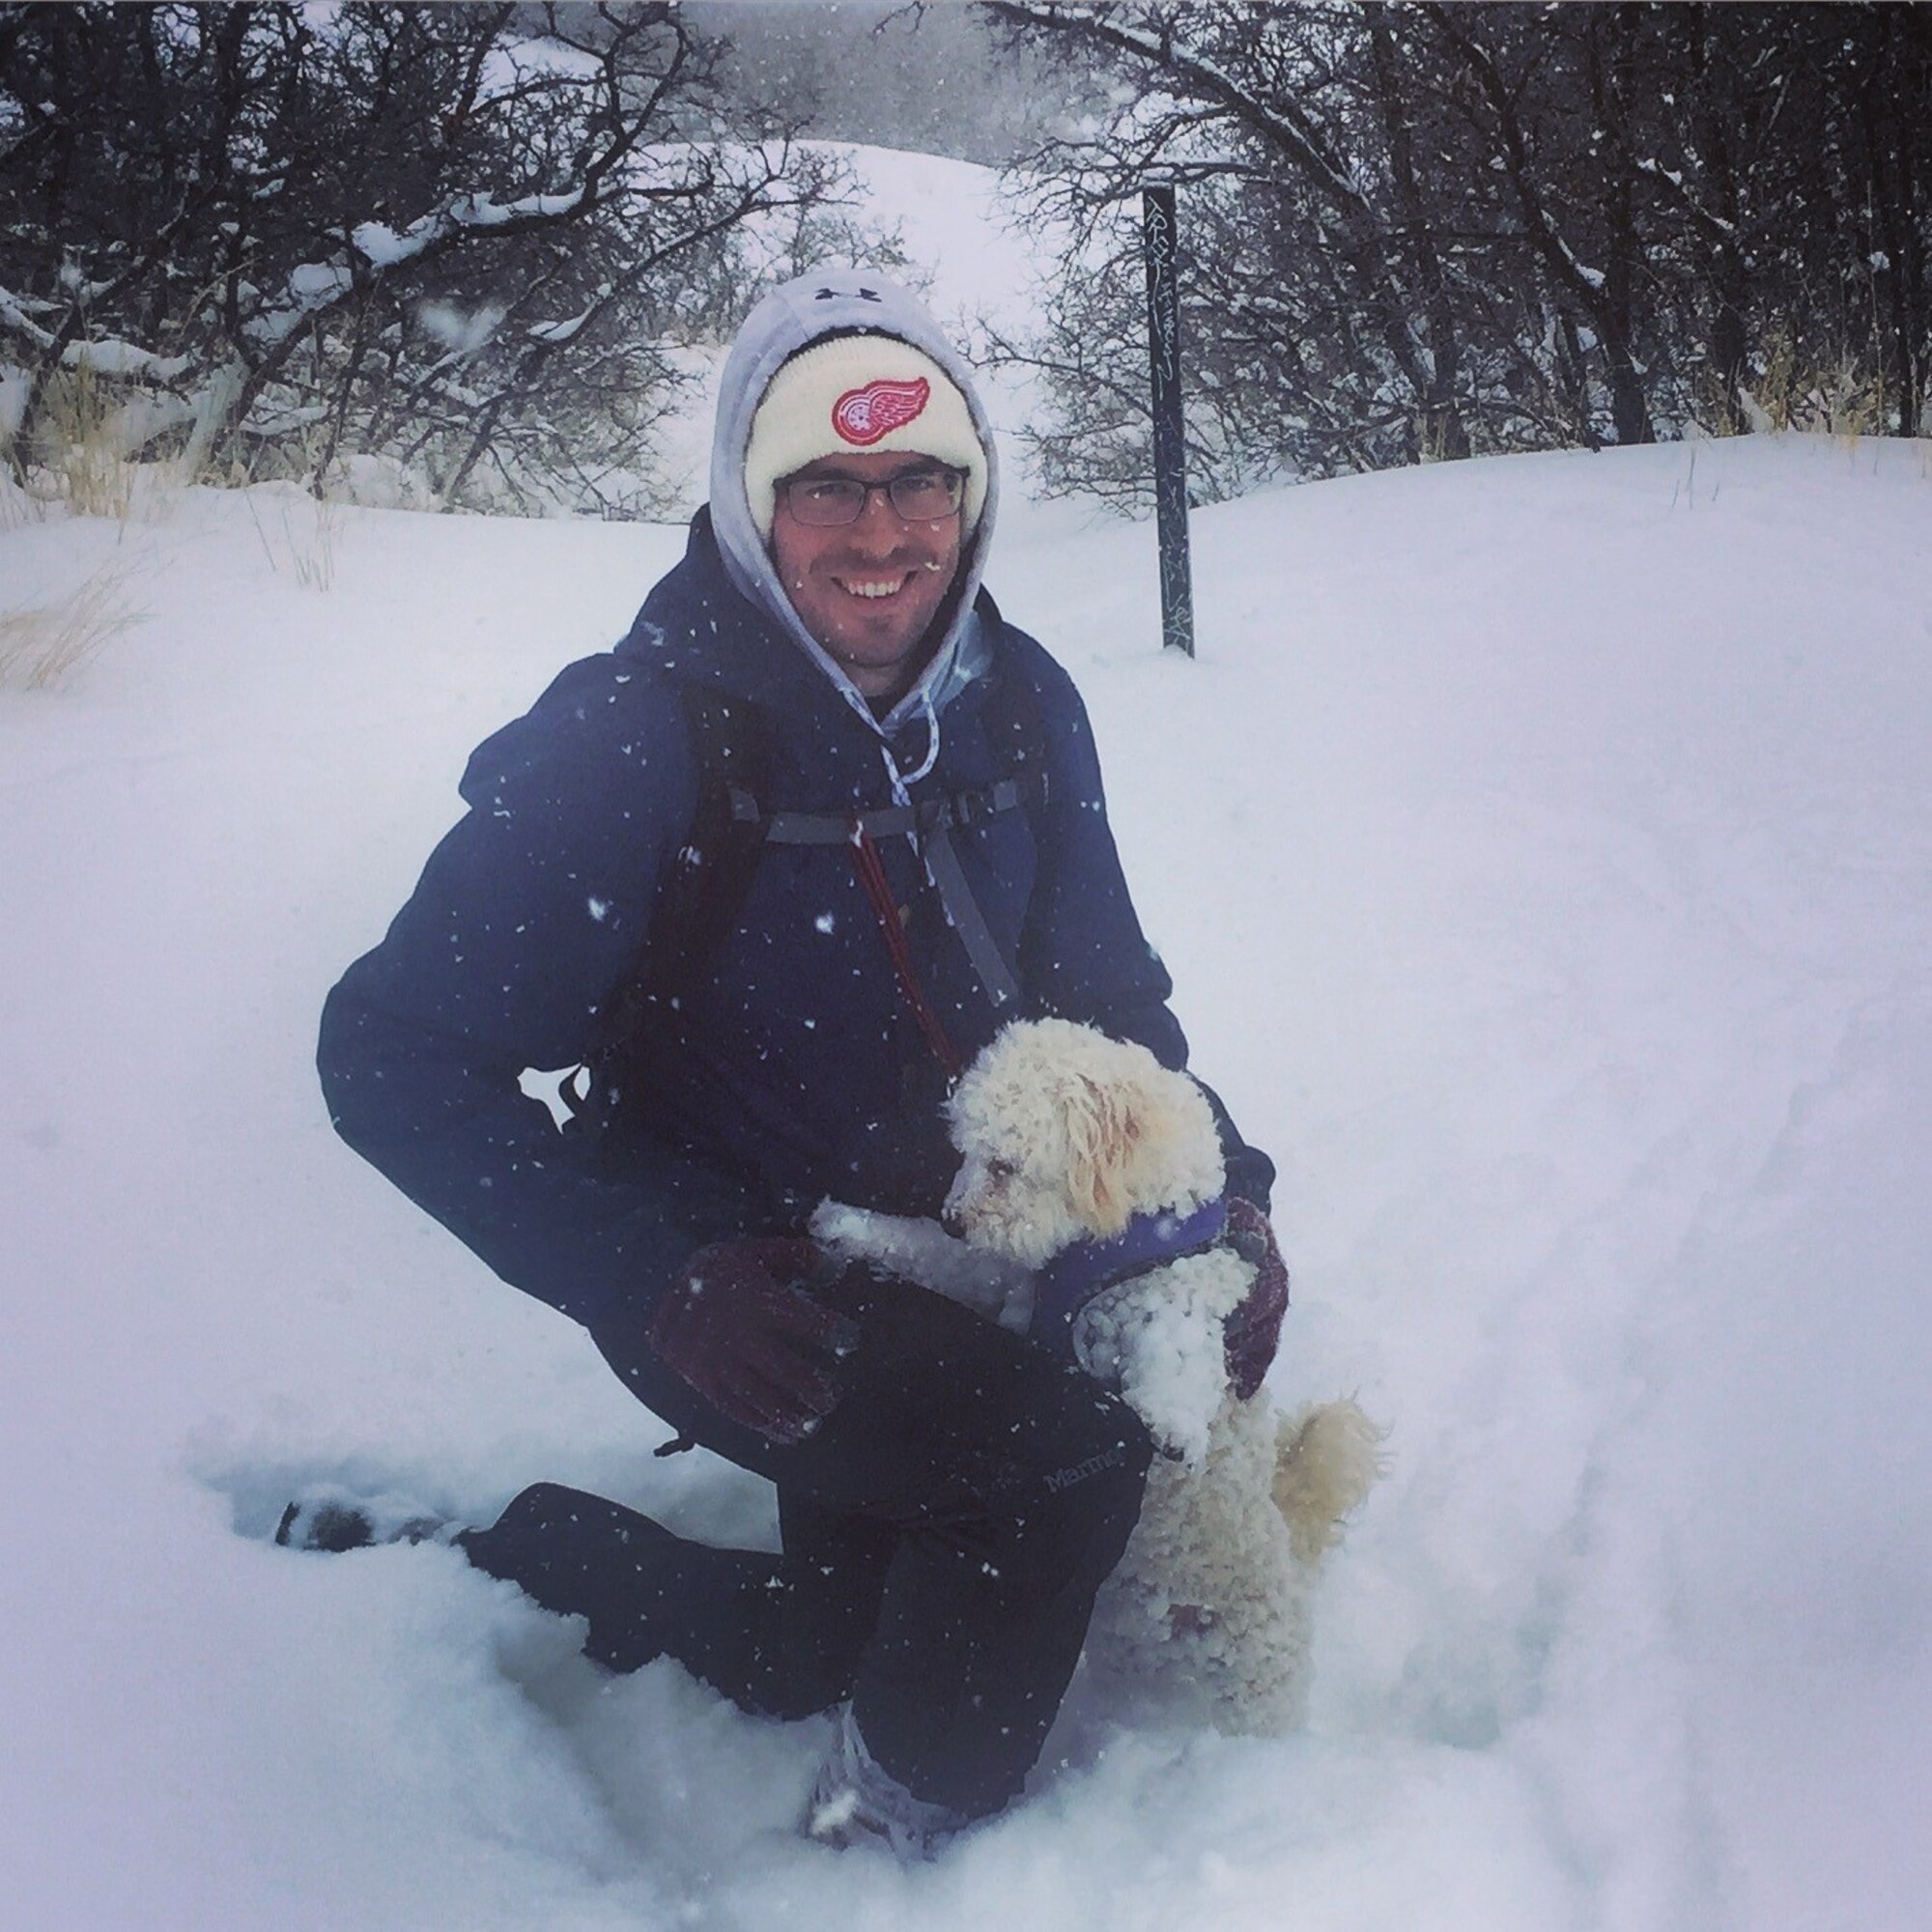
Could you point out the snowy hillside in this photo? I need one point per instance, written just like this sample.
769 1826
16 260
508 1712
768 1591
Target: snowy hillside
965 251
1544 852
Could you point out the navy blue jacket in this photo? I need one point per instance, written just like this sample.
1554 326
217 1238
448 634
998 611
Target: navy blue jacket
799 1072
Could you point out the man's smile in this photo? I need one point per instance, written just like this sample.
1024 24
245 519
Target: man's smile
869 588
875 587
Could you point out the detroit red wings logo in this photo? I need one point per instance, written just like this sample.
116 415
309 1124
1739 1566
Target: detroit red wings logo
865 416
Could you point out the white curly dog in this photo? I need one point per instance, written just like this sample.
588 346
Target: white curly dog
1070 1140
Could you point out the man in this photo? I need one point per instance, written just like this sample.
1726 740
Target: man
772 871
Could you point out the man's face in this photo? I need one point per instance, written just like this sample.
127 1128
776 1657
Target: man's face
869 590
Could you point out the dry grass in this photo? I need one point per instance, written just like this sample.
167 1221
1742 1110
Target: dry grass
1846 400
17 508
79 461
309 529
44 644
78 455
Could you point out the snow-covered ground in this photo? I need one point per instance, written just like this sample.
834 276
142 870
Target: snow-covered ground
1543 848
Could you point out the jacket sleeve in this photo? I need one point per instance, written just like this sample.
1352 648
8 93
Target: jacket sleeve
1084 955
530 916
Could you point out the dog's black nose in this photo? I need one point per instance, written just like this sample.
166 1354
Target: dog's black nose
949 1220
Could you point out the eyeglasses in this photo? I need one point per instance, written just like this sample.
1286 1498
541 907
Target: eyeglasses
917 496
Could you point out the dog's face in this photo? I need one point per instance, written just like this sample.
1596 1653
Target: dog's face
1066 1134
1000 1203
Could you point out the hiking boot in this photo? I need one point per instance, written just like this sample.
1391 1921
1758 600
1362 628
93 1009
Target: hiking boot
856 1801
331 1522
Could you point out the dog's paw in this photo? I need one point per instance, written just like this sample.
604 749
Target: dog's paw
923 1251
846 1232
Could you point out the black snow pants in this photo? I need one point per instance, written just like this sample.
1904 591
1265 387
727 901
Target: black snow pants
945 1532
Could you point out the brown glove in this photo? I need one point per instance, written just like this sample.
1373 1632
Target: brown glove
1252 1331
740 1325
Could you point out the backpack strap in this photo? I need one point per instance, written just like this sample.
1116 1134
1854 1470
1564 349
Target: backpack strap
706 887
713 876
966 806
1018 739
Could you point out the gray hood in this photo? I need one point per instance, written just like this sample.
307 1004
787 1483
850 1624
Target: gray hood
841 301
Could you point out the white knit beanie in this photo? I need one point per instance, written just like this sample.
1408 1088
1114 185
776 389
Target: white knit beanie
859 393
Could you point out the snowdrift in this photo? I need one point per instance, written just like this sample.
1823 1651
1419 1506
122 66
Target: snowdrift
1543 848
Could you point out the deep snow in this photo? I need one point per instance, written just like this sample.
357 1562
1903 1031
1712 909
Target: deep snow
1543 848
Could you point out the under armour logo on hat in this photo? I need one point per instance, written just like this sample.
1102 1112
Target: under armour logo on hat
865 416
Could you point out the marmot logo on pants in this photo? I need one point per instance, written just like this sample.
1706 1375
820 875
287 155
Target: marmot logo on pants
1108 1459
869 415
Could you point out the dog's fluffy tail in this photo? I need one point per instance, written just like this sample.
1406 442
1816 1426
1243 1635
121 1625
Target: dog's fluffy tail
1328 1458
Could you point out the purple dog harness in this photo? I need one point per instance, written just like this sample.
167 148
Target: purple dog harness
1075 1275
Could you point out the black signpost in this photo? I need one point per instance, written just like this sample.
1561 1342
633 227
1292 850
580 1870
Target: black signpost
1169 448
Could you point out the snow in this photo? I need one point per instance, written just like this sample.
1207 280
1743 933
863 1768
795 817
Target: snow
1543 849
14 313
382 247
109 356
1165 1351
563 330
379 244
460 330
15 384
311 286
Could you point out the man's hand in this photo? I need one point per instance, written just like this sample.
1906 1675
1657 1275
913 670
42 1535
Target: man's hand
1252 1331
740 1325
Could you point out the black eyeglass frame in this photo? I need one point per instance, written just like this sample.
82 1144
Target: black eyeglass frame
954 479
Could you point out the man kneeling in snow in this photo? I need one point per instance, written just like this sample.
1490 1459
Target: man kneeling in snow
769 873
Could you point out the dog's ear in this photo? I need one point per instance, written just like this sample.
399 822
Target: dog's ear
1104 1128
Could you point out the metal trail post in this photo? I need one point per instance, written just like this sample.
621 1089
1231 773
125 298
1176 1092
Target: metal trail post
1158 245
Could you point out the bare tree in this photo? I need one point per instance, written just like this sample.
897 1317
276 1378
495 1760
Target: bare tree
1313 279
1417 231
467 240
